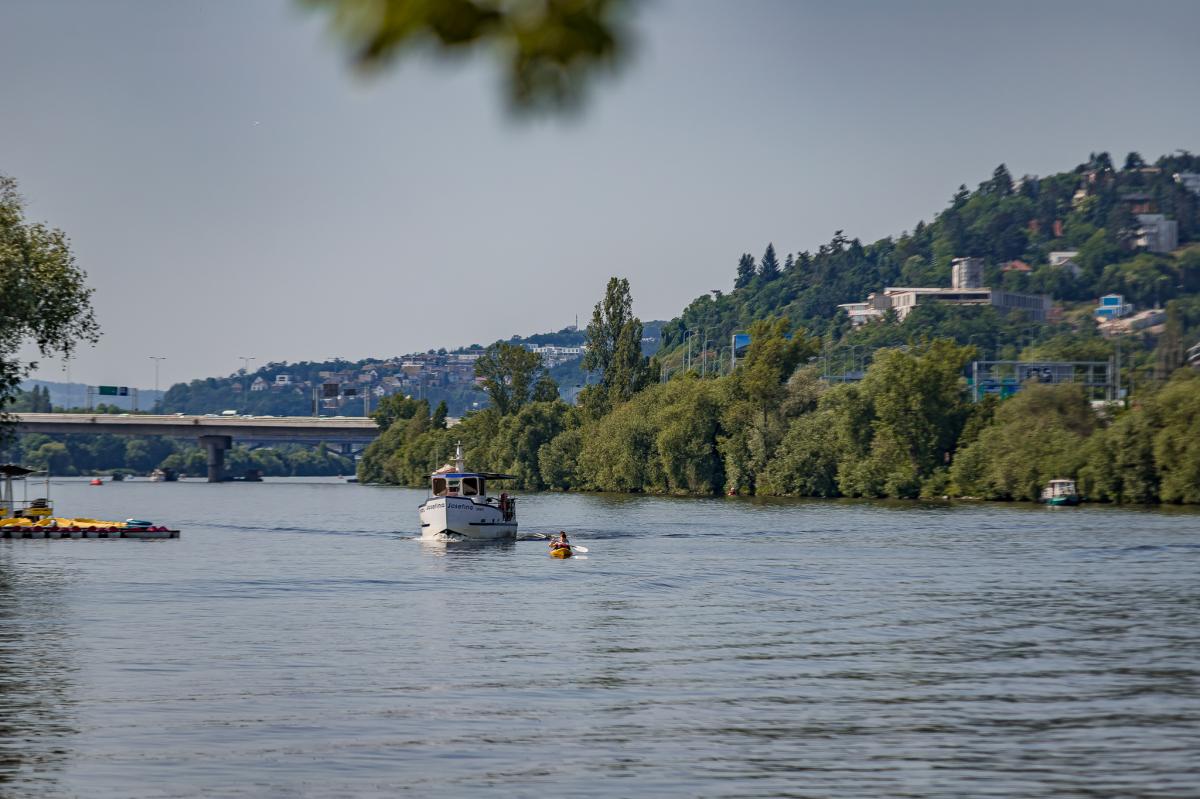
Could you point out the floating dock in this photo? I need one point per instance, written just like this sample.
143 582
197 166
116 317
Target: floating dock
135 533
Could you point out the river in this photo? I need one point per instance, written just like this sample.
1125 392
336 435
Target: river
296 641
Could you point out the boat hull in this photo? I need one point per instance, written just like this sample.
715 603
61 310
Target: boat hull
448 518
1062 501
561 552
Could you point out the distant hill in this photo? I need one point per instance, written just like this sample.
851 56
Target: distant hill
1103 212
286 389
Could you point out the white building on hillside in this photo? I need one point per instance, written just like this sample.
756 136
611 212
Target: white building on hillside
1065 259
968 289
553 356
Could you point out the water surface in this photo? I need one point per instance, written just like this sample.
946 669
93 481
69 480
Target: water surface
297 641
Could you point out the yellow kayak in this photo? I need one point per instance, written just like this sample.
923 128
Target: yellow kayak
560 552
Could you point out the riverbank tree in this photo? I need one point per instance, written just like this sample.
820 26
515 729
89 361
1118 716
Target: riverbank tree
44 297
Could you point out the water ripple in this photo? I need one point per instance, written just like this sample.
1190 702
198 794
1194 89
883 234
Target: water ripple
297 641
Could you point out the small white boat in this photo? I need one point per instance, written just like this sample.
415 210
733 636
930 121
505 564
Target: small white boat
459 508
1060 492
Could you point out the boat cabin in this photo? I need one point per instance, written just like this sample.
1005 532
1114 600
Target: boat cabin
1060 488
10 507
452 480
458 485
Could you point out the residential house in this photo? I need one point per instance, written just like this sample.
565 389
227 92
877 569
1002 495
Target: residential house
1139 203
1156 233
1189 180
283 380
1113 306
1016 266
259 384
861 312
1065 259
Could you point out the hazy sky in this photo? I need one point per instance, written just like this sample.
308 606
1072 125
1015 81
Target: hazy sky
232 189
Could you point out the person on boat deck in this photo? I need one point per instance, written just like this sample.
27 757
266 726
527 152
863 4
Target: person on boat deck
559 541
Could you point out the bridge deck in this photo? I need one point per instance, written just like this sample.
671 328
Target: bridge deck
259 428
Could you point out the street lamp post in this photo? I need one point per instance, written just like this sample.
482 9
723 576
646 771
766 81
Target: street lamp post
854 348
245 373
157 360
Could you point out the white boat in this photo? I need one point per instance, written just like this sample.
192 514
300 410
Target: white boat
459 508
1060 492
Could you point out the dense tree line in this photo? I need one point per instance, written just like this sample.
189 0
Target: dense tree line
774 427
104 454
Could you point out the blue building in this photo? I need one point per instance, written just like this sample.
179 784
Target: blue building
1113 306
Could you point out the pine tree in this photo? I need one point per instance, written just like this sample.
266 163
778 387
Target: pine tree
788 263
1121 225
438 422
745 271
768 269
1001 183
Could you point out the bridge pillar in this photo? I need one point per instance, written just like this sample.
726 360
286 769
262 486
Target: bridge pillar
215 447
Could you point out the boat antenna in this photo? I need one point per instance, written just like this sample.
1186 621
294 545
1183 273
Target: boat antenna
458 458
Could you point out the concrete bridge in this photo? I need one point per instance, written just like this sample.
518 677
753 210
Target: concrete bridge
215 433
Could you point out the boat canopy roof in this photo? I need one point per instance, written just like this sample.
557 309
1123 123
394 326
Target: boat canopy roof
13 470
484 475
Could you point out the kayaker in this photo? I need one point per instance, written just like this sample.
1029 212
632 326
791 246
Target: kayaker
560 541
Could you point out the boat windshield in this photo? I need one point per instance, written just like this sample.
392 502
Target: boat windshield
443 487
466 486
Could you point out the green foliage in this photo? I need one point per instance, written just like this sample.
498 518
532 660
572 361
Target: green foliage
44 300
918 410
36 400
103 454
392 408
745 271
551 47
438 421
510 373
1177 441
806 462
514 446
558 460
1120 464
1147 280
1036 436
614 340
770 360
768 268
